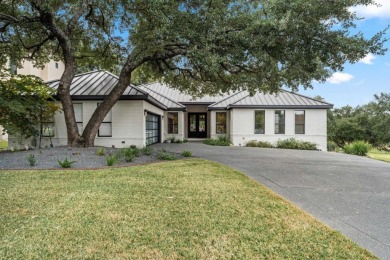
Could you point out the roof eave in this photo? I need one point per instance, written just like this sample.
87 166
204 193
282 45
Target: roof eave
281 106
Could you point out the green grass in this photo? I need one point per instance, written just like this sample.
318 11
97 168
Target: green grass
379 155
3 144
182 209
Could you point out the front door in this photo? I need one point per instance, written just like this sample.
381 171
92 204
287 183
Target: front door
197 125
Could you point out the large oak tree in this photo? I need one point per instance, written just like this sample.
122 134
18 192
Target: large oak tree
199 46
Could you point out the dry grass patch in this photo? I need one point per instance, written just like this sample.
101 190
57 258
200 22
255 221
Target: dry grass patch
183 209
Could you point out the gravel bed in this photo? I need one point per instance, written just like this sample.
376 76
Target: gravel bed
46 158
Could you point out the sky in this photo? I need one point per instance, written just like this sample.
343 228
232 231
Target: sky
357 83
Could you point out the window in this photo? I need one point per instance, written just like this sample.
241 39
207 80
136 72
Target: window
259 121
78 111
279 121
220 122
105 129
13 67
56 64
299 122
48 128
173 123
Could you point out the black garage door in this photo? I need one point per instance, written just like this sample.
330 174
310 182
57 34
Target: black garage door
152 129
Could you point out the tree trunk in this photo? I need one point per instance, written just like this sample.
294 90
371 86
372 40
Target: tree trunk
92 128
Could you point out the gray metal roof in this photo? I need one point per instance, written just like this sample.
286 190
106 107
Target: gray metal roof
96 85
283 99
180 97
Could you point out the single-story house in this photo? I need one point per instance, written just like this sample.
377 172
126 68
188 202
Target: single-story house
152 113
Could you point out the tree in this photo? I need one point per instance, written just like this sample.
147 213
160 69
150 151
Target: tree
200 47
369 122
25 101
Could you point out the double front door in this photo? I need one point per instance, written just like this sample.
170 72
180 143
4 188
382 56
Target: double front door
197 125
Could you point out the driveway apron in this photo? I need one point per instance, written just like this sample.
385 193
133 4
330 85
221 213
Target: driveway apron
349 193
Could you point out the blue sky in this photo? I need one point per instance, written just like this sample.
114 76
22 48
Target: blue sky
357 83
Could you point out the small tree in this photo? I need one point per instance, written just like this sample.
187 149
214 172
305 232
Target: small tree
24 102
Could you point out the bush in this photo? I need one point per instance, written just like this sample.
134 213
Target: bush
100 151
255 143
360 148
292 143
147 150
164 155
65 163
31 159
222 140
186 153
111 159
332 146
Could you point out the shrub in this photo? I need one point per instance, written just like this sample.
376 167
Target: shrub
186 153
185 140
100 151
111 159
332 146
255 143
129 157
292 143
222 140
31 159
66 163
164 155
360 148
147 150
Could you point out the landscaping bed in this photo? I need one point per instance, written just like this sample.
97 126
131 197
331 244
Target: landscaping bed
83 158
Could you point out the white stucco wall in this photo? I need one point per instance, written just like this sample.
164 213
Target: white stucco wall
47 73
242 127
128 125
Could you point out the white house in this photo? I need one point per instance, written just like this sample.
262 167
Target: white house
152 113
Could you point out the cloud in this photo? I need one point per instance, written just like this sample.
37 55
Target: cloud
368 59
339 77
373 11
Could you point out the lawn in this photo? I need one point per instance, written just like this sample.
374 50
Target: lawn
3 144
181 209
379 155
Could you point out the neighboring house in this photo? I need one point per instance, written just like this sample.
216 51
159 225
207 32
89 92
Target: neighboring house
152 113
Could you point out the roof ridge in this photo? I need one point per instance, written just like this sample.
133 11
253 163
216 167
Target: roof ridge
77 75
145 85
298 94
215 103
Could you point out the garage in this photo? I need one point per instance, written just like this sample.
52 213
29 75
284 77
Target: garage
152 129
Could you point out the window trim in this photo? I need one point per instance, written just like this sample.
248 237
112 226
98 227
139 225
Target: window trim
284 123
304 122
105 122
254 130
80 122
218 124
177 124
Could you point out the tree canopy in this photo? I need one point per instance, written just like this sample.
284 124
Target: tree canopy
25 101
200 47
369 122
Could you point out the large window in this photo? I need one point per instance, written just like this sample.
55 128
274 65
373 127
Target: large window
173 123
259 121
299 122
78 112
220 122
280 121
105 129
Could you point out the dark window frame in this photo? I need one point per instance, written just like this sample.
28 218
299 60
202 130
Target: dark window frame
171 126
259 124
280 125
79 122
43 131
105 122
300 124
151 129
219 124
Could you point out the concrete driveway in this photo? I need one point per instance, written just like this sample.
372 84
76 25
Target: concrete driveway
349 193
